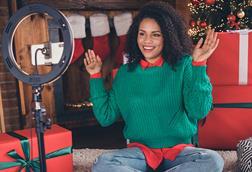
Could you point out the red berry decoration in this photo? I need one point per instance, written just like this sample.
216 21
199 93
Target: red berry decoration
192 23
231 17
210 2
195 2
203 24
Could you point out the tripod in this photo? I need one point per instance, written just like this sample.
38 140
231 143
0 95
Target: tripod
41 124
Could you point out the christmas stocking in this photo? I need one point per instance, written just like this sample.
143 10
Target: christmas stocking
99 26
122 23
77 23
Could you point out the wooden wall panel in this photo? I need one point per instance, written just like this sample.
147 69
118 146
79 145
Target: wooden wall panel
32 30
2 124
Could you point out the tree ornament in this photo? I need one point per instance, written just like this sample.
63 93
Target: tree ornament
195 2
198 22
192 23
231 17
234 24
209 2
240 14
203 24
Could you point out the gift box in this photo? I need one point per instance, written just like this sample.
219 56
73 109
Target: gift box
231 62
19 150
230 120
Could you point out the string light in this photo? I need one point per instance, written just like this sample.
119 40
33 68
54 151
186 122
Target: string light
218 14
83 105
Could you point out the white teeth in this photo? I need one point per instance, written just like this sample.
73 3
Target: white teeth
148 48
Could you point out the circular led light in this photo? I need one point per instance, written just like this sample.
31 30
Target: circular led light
7 44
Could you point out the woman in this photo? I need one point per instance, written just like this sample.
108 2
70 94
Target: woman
160 94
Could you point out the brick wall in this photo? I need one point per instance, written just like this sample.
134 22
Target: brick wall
8 83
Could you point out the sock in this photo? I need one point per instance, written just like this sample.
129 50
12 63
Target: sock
99 26
101 46
78 50
122 23
77 23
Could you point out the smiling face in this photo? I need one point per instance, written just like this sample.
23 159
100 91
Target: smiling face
150 40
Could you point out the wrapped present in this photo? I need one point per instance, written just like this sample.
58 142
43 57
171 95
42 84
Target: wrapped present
231 63
230 120
19 150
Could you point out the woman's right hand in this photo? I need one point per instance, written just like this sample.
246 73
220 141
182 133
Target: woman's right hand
92 62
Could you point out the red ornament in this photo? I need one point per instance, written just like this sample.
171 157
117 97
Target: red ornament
203 24
231 17
192 23
195 2
210 2
235 25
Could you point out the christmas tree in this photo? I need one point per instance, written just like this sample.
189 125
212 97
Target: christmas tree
222 15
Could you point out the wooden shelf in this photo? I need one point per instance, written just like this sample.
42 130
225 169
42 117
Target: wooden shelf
96 4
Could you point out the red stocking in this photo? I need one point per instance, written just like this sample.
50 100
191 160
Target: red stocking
120 50
101 46
122 23
77 23
99 30
78 50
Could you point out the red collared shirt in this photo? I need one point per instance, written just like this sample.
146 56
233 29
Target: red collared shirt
145 64
155 156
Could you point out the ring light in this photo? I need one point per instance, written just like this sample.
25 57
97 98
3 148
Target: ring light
7 45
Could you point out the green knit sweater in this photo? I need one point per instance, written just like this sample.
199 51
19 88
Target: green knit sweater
160 106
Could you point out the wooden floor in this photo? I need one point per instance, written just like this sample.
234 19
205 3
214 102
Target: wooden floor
99 137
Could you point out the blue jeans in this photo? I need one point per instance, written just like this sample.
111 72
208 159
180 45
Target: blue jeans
191 159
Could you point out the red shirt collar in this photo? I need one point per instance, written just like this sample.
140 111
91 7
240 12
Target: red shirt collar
144 64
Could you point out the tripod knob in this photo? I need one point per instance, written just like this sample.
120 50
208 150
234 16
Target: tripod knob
48 124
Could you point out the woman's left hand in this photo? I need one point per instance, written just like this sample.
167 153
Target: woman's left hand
203 51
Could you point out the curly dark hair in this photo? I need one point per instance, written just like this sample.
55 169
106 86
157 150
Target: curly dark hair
176 40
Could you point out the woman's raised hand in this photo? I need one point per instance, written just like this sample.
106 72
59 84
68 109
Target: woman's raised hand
203 51
92 62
